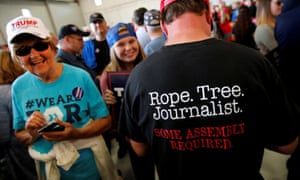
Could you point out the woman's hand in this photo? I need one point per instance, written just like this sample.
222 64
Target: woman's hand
35 121
109 97
25 137
68 133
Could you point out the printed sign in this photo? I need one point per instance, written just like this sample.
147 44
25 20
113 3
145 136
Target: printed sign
116 83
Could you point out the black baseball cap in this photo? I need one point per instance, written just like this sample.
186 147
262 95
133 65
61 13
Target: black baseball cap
96 17
71 29
152 18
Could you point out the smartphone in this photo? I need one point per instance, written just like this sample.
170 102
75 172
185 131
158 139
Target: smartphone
53 126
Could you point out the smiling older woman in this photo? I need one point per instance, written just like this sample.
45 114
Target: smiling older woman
52 91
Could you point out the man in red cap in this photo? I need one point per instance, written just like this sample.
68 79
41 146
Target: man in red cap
205 108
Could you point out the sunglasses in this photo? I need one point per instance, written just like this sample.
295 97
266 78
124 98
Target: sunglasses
25 50
279 2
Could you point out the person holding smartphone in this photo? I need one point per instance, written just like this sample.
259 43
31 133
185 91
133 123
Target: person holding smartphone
51 91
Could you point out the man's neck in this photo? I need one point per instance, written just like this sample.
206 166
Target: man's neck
100 37
154 35
196 29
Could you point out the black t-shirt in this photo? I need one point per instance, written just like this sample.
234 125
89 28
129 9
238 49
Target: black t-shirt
102 55
247 39
207 109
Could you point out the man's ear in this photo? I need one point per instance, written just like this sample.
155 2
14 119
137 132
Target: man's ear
208 14
208 17
163 27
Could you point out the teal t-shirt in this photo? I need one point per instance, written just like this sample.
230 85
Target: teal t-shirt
73 98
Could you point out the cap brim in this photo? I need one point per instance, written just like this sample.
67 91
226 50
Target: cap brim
85 34
96 19
21 33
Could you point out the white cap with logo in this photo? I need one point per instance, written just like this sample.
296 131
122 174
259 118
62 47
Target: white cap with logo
26 25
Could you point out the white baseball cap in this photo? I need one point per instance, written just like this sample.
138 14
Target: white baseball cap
26 25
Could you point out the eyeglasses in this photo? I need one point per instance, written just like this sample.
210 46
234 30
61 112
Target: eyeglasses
278 2
25 50
78 39
97 21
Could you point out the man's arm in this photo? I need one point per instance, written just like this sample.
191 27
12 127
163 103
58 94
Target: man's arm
287 149
140 148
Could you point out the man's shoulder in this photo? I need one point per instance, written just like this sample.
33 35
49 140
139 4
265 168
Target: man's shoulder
90 40
63 59
60 58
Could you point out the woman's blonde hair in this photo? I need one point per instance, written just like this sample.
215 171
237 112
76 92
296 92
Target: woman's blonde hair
264 14
115 63
9 70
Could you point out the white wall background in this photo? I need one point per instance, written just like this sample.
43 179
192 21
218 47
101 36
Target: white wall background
9 10
55 13
115 11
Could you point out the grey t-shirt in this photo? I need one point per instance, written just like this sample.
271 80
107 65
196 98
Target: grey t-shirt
265 39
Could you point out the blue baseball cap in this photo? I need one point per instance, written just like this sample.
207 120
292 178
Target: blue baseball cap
119 31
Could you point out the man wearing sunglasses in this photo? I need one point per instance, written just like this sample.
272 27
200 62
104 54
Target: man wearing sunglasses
57 92
70 48
287 34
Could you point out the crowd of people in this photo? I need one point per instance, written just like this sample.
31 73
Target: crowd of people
187 90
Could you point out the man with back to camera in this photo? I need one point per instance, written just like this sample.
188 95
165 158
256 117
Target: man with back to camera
152 24
96 50
198 110
139 26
